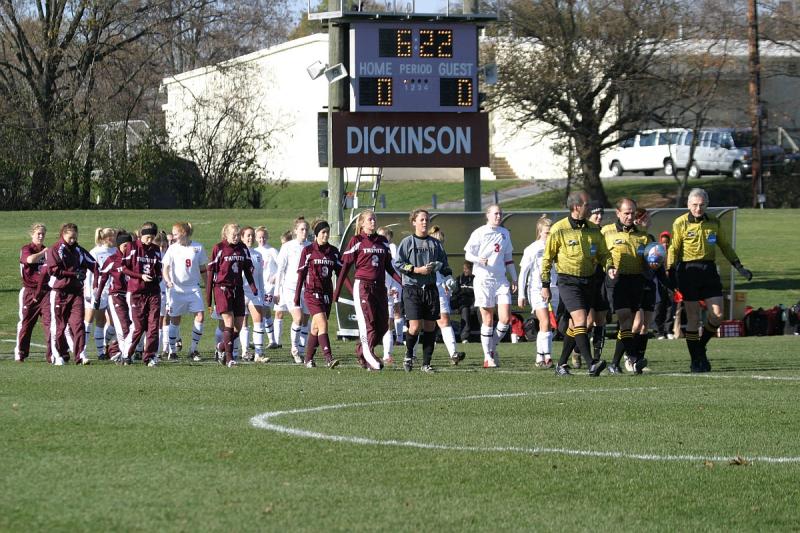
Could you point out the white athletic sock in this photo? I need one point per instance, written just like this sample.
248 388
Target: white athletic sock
278 332
100 340
244 336
87 331
258 338
487 334
269 330
294 337
499 332
164 339
449 339
388 344
398 329
303 335
197 334
172 334
544 344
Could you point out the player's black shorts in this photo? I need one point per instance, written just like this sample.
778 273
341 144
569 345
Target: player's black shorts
576 292
600 298
699 280
421 303
648 295
625 291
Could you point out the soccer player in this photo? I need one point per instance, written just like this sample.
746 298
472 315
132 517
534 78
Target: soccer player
318 262
95 311
448 335
466 299
270 255
184 263
67 263
530 288
230 258
288 263
142 265
113 281
626 242
489 249
370 254
576 246
280 307
33 297
696 236
253 303
419 258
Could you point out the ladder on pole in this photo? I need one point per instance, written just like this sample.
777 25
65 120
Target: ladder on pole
365 190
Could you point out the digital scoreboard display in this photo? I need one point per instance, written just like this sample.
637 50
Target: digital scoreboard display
414 67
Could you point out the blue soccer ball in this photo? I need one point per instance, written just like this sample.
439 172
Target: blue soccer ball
655 255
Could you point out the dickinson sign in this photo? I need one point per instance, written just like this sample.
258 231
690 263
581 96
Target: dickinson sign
410 140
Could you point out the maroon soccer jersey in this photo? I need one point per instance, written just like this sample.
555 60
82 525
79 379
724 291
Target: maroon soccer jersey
317 265
371 256
67 266
143 259
228 263
113 273
31 273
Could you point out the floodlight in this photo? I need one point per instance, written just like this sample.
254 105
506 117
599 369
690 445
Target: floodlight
336 73
316 69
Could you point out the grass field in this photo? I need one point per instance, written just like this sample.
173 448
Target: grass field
188 447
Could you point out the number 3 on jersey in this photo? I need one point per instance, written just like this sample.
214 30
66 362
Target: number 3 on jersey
496 247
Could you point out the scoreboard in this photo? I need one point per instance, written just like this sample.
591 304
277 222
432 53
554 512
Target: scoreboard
414 67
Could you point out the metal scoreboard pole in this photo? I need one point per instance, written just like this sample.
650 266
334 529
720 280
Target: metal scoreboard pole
472 176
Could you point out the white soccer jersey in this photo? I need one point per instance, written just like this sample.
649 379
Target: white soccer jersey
288 262
492 244
258 275
101 254
530 270
184 263
270 256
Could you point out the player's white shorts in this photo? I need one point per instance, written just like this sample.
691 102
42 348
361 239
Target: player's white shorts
535 298
287 299
184 303
395 293
492 291
444 301
269 298
258 301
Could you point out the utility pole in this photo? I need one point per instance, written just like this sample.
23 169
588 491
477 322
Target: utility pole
337 101
755 102
472 176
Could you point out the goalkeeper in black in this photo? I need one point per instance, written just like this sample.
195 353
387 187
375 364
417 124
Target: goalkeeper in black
696 236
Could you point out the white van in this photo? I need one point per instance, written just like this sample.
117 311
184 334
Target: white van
648 151
718 151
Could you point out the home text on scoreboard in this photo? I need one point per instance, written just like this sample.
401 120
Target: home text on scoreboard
414 67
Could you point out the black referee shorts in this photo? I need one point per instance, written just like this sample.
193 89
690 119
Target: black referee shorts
648 295
699 280
421 303
576 292
625 291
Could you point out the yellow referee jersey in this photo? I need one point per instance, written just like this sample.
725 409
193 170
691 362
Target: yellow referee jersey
576 247
697 239
626 247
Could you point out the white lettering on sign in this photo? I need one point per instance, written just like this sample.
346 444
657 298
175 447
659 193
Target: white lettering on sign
455 69
374 69
416 68
409 140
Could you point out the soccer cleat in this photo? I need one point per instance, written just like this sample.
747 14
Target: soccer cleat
388 360
153 361
261 359
232 363
102 356
408 364
116 358
125 361
489 363
311 364
84 361
58 361
457 357
615 369
563 370
172 356
248 356
548 363
195 356
596 368
539 364
428 369
333 363
640 365
274 346
576 361
629 365
296 356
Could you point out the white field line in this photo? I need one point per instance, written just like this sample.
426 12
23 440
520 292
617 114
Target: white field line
730 376
265 421
32 344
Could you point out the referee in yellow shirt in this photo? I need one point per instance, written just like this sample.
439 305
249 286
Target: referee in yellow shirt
696 236
577 247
